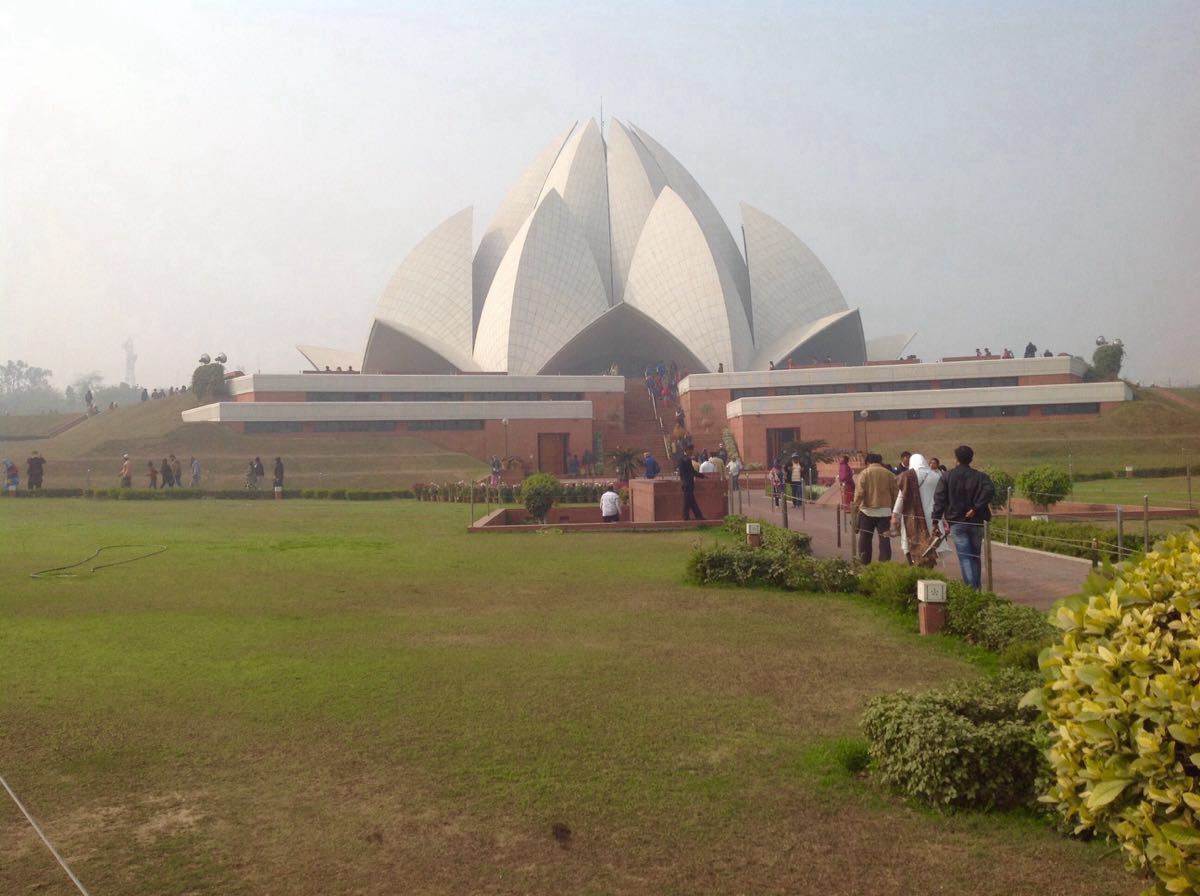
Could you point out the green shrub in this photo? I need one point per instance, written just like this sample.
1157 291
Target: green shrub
538 494
1069 539
773 537
852 754
1003 623
967 746
208 382
964 609
1044 485
1002 482
831 575
895 584
1021 655
1122 702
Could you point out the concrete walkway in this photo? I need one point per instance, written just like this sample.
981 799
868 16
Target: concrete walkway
1022 575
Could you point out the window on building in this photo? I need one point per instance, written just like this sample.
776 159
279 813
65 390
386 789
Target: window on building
443 425
981 382
258 426
899 386
1088 407
425 396
354 426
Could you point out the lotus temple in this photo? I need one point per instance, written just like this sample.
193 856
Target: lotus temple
606 259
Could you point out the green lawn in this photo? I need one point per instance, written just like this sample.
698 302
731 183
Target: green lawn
1170 491
321 697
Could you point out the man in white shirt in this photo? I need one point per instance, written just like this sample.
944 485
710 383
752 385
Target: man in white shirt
708 466
610 505
734 469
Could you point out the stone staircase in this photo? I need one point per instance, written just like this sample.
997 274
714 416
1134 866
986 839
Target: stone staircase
642 428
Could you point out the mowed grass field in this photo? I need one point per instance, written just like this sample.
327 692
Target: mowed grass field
320 697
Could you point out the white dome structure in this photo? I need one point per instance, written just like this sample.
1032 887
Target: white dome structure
608 251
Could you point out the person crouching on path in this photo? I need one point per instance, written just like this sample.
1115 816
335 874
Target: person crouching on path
610 505
874 498
963 498
687 484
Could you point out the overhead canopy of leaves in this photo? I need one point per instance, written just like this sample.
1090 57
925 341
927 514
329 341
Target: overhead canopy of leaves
208 382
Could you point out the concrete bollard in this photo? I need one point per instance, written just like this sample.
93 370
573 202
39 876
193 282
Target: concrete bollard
279 493
931 605
754 534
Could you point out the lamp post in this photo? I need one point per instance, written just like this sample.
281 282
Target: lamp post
504 421
866 439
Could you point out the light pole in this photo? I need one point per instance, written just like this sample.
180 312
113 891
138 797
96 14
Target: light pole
505 422
866 439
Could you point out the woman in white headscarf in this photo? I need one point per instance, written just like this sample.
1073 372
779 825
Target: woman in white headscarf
913 511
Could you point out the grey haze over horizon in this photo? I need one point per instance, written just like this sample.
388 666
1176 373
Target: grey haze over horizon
243 177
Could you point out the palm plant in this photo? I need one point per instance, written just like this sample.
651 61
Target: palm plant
626 461
811 452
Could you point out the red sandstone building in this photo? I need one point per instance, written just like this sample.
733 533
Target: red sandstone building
541 420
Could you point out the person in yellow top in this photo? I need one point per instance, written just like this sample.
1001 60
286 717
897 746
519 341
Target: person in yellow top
126 473
875 493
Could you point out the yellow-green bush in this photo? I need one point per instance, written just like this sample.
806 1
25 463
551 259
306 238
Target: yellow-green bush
1122 698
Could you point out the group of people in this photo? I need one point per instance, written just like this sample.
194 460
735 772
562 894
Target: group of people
152 395
662 381
922 503
256 472
169 473
787 480
581 466
35 469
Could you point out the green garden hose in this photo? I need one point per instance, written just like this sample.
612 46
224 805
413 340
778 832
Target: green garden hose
60 571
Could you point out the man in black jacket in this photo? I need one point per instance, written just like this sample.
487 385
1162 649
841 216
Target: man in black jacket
964 498
687 483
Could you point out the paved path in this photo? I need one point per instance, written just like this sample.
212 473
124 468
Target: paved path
1022 575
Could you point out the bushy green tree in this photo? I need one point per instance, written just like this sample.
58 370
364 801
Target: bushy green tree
1107 359
1003 482
208 382
1044 485
538 494
1122 711
626 461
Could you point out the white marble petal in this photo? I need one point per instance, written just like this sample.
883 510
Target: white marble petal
579 177
512 213
429 296
724 248
675 279
634 182
546 290
788 284
888 348
838 336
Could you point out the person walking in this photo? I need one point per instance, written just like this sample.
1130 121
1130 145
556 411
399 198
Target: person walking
168 475
278 472
963 500
775 475
126 473
35 466
610 505
793 474
259 472
650 466
874 497
687 484
152 474
195 473
734 471
176 471
845 478
912 514
708 466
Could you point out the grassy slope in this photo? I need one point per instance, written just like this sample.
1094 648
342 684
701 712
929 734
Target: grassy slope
319 697
1168 491
29 425
153 429
1149 432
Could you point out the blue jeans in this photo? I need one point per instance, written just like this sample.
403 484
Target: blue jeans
968 542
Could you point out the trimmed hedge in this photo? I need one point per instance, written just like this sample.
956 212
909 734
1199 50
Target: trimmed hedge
773 537
969 746
895 584
1069 539
768 568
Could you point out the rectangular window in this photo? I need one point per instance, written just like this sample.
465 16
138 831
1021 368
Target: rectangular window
507 396
443 425
982 382
899 386
735 394
258 426
1090 407
424 396
354 426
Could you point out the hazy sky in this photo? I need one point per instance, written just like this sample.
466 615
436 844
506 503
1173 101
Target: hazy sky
243 176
